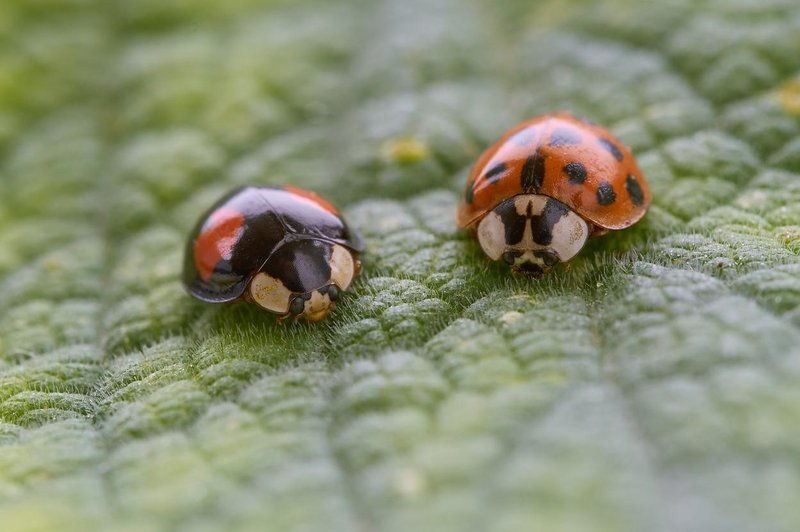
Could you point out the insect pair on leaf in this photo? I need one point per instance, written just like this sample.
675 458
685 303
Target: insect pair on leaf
532 199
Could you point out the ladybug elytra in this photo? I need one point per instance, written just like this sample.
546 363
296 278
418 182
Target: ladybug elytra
550 183
284 248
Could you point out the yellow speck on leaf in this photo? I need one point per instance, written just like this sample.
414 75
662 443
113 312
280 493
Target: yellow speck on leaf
404 150
53 264
788 96
510 317
409 483
552 377
790 235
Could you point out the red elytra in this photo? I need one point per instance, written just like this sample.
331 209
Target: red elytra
316 198
216 240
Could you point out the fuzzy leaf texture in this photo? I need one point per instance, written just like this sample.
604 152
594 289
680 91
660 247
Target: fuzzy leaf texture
654 386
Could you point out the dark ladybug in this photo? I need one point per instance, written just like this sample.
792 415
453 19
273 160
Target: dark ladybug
284 248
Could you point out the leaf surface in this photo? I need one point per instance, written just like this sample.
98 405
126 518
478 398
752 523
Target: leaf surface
653 386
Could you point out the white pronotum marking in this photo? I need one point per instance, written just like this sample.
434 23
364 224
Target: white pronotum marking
492 235
569 236
569 233
270 293
343 267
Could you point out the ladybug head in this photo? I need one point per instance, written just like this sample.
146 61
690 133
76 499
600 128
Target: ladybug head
533 263
303 279
314 305
532 233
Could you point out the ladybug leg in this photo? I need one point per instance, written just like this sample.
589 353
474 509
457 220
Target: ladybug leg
282 319
567 266
596 232
357 268
246 297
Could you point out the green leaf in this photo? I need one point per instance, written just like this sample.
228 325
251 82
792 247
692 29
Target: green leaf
655 385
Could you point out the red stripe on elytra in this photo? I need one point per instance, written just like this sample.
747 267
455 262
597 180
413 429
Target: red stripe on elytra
216 240
319 200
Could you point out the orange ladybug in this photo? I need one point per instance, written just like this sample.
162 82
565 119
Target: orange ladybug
550 183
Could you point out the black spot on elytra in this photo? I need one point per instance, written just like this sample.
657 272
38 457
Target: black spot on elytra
469 193
611 147
606 194
493 174
576 173
634 190
564 136
532 175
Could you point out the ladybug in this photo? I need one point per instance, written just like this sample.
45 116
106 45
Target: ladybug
284 248
550 183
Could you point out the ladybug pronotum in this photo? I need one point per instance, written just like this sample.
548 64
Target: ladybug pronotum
284 248
550 183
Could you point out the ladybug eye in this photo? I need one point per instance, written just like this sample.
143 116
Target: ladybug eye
509 257
297 306
333 293
549 258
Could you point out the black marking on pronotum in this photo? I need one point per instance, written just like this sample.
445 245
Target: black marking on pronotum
564 136
634 190
532 175
606 194
513 222
493 174
542 224
529 209
576 173
611 147
301 265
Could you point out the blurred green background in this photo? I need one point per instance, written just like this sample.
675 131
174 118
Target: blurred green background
655 386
